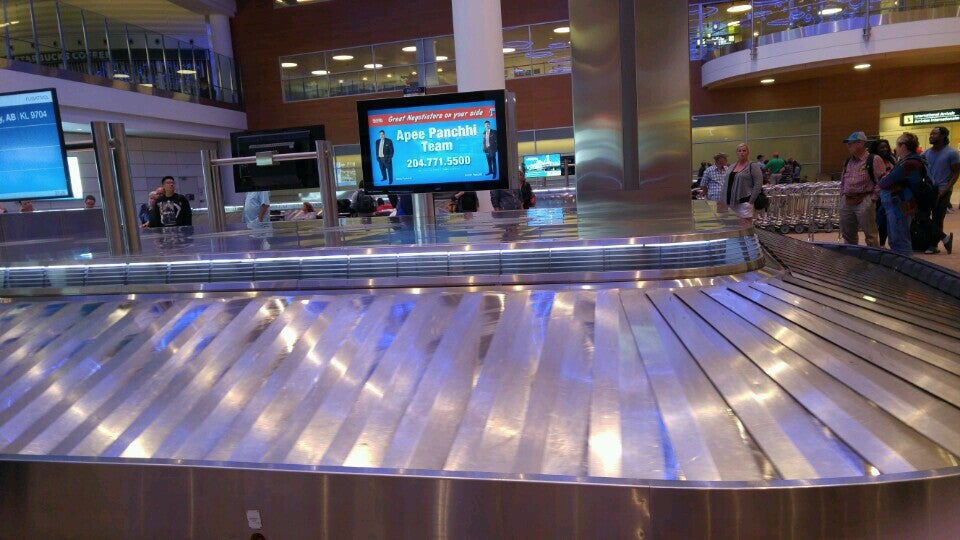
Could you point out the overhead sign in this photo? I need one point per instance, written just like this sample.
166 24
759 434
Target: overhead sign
930 117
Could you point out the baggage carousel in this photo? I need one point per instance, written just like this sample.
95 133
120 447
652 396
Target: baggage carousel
785 392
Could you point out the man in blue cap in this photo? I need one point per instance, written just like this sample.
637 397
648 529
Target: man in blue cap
858 192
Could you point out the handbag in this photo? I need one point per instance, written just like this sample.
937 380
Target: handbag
533 200
762 202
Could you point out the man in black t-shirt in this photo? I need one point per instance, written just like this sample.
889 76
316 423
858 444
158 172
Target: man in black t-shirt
172 209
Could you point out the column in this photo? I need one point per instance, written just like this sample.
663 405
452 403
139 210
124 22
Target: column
631 105
218 34
478 42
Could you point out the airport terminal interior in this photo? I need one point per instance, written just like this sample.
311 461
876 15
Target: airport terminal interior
277 269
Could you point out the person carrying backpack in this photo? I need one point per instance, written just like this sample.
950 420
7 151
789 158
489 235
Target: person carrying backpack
901 190
857 187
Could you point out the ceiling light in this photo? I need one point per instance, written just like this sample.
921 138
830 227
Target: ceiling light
561 30
830 11
148 85
733 23
739 9
413 72
373 66
767 81
508 50
862 66
186 72
343 57
441 58
364 78
409 48
11 23
319 72
341 81
439 69
288 64
389 75
120 76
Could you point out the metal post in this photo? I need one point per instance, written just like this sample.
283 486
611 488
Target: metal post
108 187
63 43
146 50
753 31
86 42
866 21
6 32
106 33
166 68
195 89
179 68
36 40
328 183
511 100
126 39
128 214
213 191
424 212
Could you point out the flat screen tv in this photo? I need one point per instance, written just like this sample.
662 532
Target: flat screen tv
33 161
541 165
300 174
426 144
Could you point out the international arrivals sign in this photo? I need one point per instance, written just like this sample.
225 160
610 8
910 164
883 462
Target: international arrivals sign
930 117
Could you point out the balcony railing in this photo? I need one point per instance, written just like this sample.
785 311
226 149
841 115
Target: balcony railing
58 35
719 28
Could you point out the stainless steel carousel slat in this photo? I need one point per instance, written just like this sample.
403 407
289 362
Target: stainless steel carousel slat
705 438
864 309
911 406
938 318
266 416
96 351
796 445
916 341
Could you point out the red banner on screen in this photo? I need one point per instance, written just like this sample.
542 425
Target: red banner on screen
486 112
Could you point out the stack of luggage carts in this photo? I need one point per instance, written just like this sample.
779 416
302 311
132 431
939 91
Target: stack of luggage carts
811 207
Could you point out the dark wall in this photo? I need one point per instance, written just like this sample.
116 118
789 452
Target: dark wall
262 33
848 102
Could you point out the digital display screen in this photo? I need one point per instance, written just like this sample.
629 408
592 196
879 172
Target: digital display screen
33 162
541 165
300 174
446 142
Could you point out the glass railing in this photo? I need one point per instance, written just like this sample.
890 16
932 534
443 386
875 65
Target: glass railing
529 51
718 28
62 36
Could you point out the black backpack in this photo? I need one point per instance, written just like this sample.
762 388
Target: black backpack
924 190
365 203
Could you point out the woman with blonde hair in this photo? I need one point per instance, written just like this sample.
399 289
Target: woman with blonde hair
743 185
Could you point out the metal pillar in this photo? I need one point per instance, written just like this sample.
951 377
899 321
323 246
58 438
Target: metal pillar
127 208
86 42
108 187
63 42
213 191
36 40
328 184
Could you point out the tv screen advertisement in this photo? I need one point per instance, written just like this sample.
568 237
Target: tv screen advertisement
425 144
33 161
542 165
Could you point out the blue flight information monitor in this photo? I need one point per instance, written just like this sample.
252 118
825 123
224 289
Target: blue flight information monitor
434 143
541 165
33 161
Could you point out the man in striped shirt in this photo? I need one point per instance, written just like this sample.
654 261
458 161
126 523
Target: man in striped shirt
714 177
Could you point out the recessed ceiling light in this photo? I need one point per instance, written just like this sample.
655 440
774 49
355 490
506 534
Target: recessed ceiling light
439 69
739 9
413 72
120 76
341 81
364 78
11 23
389 75
319 72
148 85
767 81
288 64
508 50
343 57
409 48
862 66
186 72
441 58
373 66
733 23
830 11
561 30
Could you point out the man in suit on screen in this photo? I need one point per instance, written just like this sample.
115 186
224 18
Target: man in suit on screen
490 148
384 153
